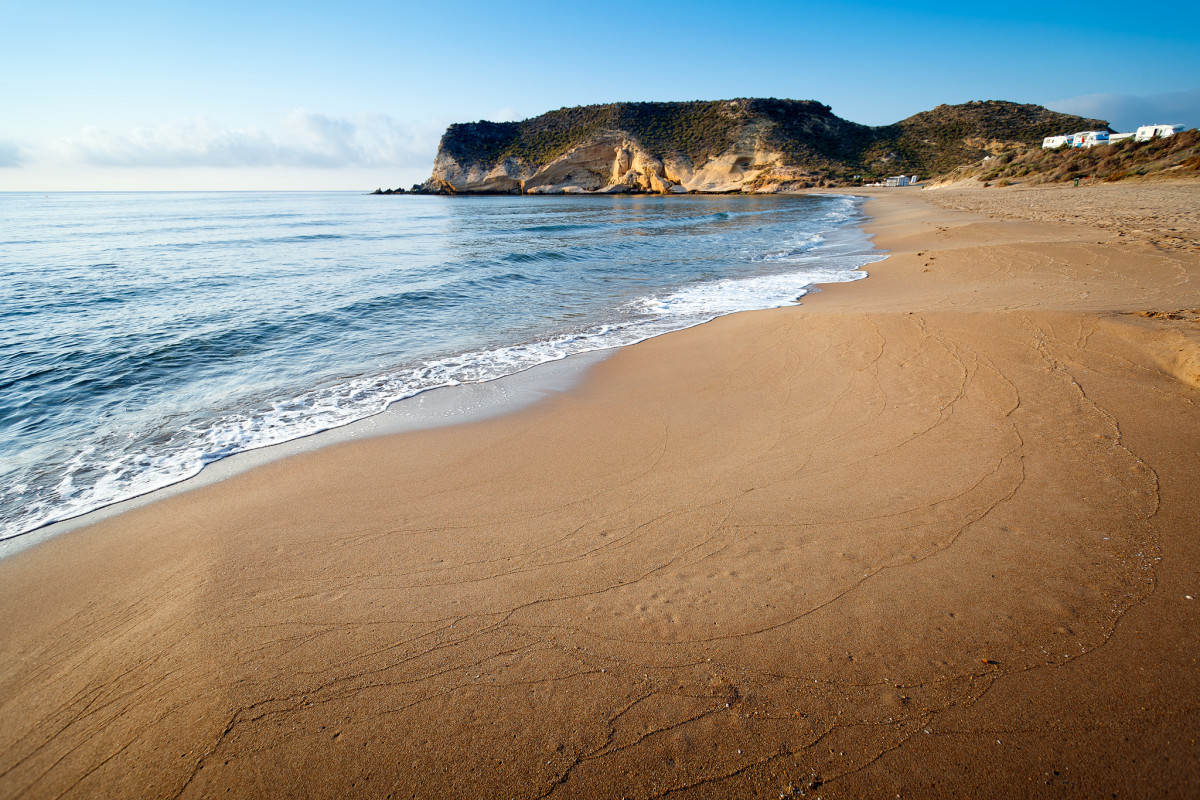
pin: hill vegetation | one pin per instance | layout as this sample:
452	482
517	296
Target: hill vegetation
937	141
1174	156
698	129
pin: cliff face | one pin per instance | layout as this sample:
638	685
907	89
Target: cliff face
613	163
747	145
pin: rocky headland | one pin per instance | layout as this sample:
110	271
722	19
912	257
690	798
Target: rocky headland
743	145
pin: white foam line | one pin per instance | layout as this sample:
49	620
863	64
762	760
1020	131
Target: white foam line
340	405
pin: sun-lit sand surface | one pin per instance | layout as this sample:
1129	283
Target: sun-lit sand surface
932	533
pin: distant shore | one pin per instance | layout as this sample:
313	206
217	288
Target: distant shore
929	534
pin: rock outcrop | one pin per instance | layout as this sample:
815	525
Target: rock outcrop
746	145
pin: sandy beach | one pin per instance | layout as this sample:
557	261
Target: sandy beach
930	534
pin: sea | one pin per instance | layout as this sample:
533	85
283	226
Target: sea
144	336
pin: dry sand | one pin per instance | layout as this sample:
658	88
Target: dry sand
929	534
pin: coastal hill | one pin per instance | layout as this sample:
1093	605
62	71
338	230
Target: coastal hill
748	144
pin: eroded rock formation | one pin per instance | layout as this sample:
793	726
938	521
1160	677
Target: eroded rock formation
617	164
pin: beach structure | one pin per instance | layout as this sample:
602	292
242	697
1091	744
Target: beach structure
1147	132
1054	142
896	180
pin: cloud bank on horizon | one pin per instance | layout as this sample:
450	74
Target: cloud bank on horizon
309	148
307	139
1126	112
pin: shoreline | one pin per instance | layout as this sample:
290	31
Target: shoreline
929	535
398	416
431	408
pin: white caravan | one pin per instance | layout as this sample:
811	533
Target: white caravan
1148	132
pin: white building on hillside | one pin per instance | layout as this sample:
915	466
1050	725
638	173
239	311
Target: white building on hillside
1052	142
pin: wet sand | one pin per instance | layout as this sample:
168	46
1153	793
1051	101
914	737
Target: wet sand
933	534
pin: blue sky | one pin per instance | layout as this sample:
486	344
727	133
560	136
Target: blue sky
298	95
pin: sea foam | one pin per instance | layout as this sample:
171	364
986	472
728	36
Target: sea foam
194	335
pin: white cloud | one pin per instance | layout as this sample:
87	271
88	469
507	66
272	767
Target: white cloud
10	154
1125	112
305	139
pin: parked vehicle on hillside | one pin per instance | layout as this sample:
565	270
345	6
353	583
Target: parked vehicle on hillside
1147	132
1080	139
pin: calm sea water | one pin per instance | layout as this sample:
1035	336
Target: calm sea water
143	336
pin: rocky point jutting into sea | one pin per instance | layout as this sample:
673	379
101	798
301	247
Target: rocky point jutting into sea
744	145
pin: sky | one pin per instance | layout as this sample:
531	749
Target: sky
246	95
